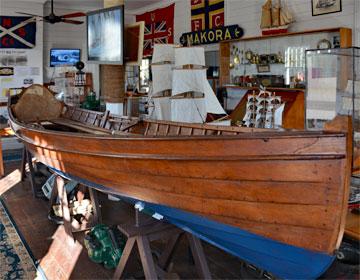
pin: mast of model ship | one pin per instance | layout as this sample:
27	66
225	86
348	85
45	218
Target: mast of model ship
192	95
285	16
275	14
275	19
162	65
266	15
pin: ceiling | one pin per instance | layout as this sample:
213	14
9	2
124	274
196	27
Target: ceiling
130	4
137	4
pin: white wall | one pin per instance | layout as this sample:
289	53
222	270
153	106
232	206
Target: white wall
247	14
35	57
357	23
63	35
236	10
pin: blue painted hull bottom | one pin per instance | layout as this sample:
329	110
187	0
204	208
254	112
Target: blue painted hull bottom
282	260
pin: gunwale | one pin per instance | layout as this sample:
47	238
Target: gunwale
242	135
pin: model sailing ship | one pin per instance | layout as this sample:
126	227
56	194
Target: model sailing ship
263	110
277	199
162	72
275	19
180	89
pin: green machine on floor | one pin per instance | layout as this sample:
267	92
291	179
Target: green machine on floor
105	245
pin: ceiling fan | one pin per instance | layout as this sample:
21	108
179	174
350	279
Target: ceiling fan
52	18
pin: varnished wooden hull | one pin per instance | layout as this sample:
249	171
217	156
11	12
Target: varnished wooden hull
289	187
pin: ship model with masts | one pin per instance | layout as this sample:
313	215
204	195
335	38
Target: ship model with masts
275	19
162	73
263	110
180	89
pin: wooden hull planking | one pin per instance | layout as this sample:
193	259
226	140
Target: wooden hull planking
289	187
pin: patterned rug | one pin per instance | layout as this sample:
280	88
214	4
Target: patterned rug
15	261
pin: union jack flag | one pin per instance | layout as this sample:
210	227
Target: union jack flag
159	28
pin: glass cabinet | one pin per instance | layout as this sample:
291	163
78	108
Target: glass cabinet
333	88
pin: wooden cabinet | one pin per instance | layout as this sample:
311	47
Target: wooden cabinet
294	113
344	34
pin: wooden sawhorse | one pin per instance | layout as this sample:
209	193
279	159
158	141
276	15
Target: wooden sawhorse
141	234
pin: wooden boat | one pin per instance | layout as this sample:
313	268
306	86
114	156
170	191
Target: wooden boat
277	199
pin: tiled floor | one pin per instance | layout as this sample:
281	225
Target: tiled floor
61	258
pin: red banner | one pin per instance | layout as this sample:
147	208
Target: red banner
159	28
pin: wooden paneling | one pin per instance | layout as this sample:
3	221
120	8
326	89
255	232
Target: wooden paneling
112	83
224	58
345	37
345	62
345	32
112	3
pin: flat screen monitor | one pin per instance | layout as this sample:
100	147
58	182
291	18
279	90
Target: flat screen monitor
105	33
64	57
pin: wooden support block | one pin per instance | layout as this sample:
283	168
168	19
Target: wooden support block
167	254
199	256
147	260
124	257
95	204
60	185
31	173
2	172
23	164
53	197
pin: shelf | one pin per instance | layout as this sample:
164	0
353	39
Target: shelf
268	88
248	64
345	35
337	29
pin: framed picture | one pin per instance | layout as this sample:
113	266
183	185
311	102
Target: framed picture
263	68
323	7
105	36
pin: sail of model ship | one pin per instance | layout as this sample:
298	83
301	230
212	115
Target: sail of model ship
275	19
192	96
162	72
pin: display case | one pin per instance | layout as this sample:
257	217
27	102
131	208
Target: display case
275	60
333	88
